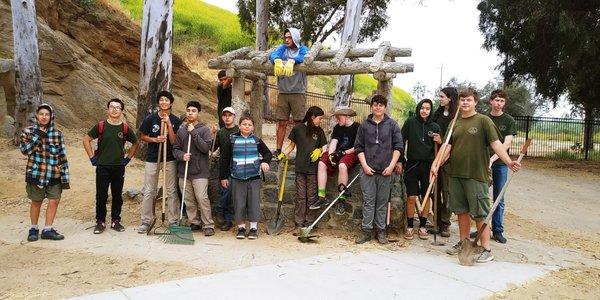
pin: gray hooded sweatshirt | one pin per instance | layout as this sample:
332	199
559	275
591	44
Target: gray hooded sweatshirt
378	141
201	141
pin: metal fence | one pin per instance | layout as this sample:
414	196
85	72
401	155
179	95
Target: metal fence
558	137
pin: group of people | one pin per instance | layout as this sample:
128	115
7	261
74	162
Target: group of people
379	146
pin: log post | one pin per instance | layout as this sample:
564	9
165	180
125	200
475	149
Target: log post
262	36
238	102
28	76
256	105
155	55
344	83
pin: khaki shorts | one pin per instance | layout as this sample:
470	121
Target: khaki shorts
294	103
469	195
37	194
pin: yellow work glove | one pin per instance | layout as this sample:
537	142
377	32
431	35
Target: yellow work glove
278	67
288	69
314	156
281	157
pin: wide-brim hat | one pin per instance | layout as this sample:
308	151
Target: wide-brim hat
344	110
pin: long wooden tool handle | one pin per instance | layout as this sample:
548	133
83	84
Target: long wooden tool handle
502	192
185	172
283	178
439	156
164	166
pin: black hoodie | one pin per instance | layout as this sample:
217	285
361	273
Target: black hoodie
419	135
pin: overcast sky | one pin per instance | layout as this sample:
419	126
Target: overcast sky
440	33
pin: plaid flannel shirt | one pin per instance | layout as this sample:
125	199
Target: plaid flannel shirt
46	155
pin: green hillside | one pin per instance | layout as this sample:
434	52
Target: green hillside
195	20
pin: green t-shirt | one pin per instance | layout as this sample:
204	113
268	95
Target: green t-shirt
507	126
305	146
469	157
110	151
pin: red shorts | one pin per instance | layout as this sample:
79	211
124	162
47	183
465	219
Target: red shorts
349	160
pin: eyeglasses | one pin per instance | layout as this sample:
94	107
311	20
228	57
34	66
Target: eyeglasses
114	107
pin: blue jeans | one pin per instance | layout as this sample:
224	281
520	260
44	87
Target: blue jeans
499	175
225	206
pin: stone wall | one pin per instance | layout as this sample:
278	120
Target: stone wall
350	221
7	97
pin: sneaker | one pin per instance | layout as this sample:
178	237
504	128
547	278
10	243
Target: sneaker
241	233
499	238
142	229
445	231
343	207
196	227
485	256
99	228
382	237
226	226
423	234
364	237
473	234
209	232
253	234
409	234
117	226
51	234
33	234
322	201
455	249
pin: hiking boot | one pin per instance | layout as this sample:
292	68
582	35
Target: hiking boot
196	227
473	234
423	234
409	234
226	226
117	226
33	234
209	232
364	236
142	229
322	201
241	233
485	256
51	234
253	234
499	238
455	249
99	228
343	207
382	237
445	231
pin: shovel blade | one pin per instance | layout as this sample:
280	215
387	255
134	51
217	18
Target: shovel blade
469	252
275	226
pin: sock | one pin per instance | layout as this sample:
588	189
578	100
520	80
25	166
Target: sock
422	221
46	228
410	222
321	192
253	225
242	226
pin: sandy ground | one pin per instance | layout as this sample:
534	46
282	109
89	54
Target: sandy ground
552	213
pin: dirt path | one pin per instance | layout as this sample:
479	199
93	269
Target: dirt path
551	220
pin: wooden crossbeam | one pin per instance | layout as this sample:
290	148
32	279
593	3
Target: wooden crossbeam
339	57
235	54
260	57
316	67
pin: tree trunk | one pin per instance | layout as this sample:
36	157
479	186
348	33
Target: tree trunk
344	83
259	110
28	76
384	88
238	102
155	55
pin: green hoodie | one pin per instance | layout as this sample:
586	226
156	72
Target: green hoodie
419	135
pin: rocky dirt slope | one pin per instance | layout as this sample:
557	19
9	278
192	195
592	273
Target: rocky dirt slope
89	54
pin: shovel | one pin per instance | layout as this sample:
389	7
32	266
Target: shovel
275	225
470	250
304	234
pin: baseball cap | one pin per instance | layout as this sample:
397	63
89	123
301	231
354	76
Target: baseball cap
228	109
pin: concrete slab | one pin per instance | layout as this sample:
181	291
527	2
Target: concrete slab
375	275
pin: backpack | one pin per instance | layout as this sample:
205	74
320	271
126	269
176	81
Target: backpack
124	130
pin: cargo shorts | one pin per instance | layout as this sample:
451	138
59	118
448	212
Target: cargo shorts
38	194
469	196
291	103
